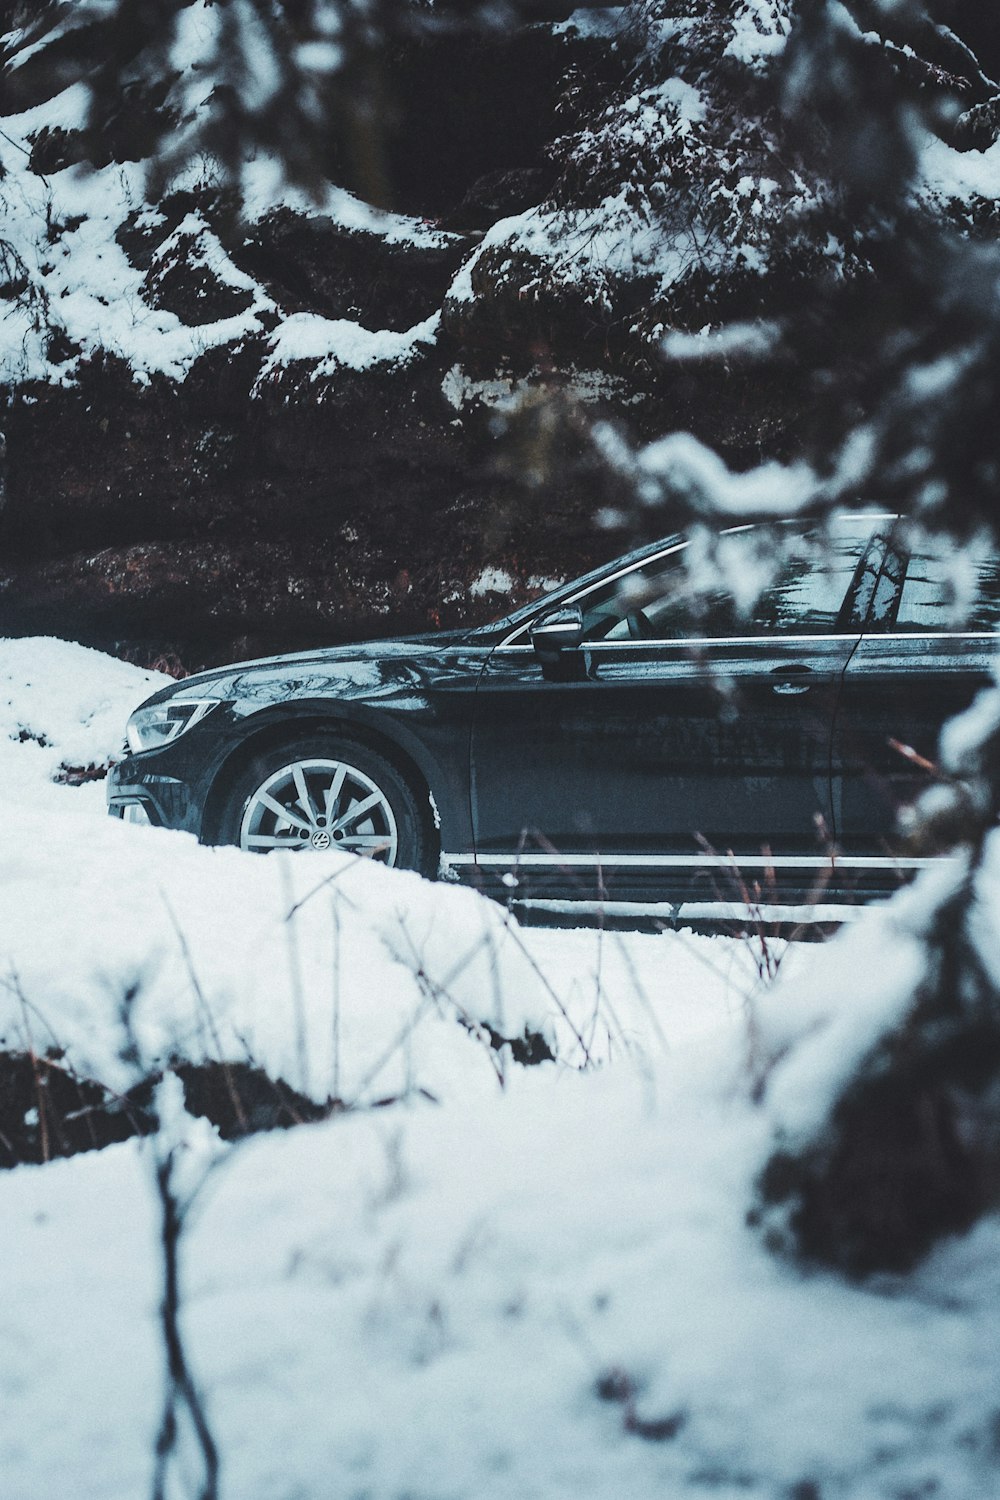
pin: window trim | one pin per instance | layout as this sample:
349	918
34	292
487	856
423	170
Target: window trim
511	642
690	642
573	598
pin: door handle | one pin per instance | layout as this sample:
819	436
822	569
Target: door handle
791	681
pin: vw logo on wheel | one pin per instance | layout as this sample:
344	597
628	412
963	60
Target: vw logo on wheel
321	839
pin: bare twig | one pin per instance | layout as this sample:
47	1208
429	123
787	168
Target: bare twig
231	1089
40	1099
182	1393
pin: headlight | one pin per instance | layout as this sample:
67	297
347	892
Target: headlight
149	728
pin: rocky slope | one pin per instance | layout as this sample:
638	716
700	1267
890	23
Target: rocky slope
241	419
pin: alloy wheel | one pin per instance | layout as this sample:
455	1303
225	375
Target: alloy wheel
320	805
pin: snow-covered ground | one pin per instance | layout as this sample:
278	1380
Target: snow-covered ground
346	979
539	1284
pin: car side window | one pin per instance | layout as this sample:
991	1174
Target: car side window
944	589
822	584
647	604
829	583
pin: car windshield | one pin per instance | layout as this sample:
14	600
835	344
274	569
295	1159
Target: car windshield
554	597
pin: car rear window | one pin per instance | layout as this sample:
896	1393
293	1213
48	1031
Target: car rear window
946	589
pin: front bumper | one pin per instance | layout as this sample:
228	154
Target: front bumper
170	786
139	791
131	812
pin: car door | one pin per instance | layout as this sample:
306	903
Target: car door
922	659
677	729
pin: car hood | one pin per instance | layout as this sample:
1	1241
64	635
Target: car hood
323	656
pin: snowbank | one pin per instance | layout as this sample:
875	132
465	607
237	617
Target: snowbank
63	708
347	980
553	1292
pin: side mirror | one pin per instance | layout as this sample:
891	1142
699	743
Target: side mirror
559	630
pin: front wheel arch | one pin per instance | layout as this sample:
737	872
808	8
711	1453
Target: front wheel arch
286	731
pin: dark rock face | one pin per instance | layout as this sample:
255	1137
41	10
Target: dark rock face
48	1111
241	509
181	280
198	521
313	264
466	110
237	501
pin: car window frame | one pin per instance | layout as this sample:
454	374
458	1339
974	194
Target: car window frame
583	587
589	584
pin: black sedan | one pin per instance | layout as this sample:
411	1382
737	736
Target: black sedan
615	740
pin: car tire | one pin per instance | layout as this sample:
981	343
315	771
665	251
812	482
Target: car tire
325	792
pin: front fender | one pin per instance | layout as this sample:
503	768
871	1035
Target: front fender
433	756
